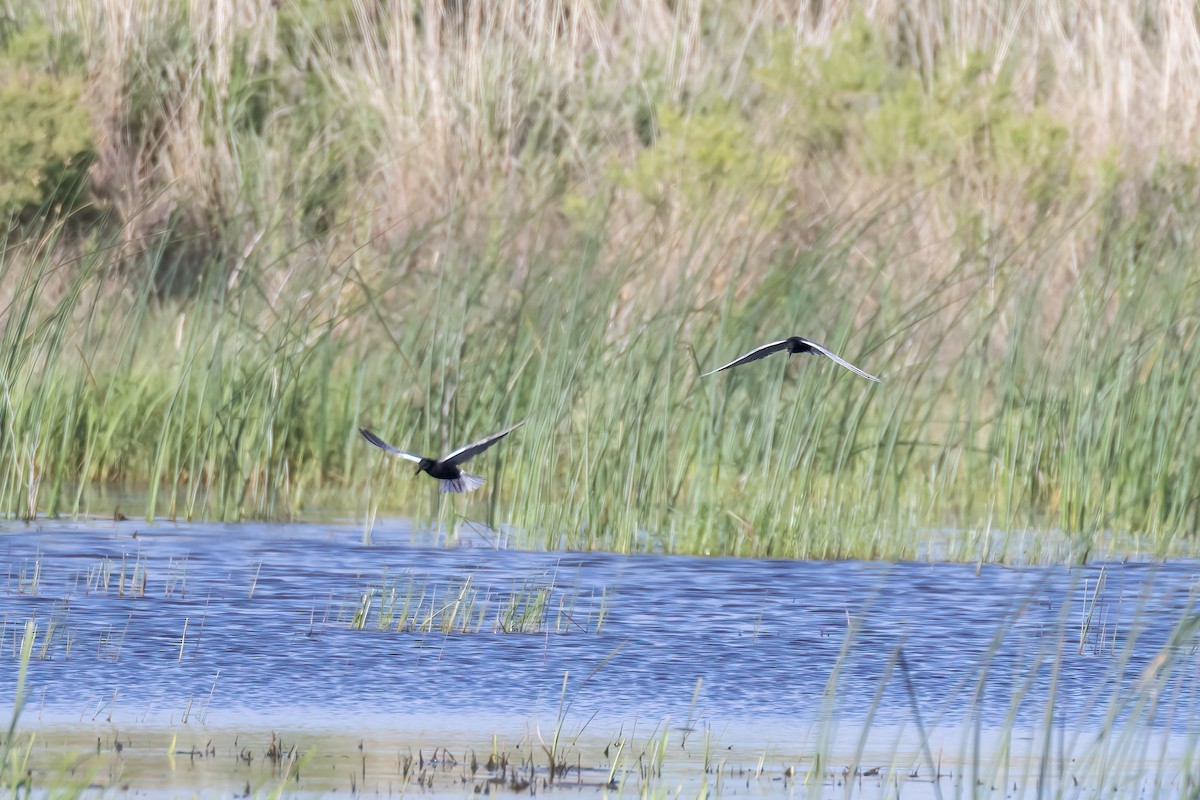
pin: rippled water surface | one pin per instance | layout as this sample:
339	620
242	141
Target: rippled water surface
306	625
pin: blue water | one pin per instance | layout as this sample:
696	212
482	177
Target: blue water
268	612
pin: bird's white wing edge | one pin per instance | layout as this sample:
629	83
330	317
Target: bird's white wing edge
762	351
825	351
482	445
387	448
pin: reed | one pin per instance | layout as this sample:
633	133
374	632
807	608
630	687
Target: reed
417	605
16	749
436	227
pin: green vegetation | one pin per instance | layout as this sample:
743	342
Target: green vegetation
20	770
298	222
48	142
15	749
537	607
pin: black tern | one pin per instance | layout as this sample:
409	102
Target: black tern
792	344
445	469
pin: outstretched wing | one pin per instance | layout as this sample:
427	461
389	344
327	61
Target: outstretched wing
834	356
470	451
387	448
753	355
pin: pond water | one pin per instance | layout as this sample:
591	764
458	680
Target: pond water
247	619
306	628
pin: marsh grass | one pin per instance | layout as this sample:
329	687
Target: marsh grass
946	742
122	578
303	222
624	448
15	751
413	604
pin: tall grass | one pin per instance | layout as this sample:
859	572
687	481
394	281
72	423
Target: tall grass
302	222
15	749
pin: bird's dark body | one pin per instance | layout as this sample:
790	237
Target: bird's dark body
440	470
797	345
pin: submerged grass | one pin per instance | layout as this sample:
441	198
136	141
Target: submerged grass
1018	731
417	605
1020	275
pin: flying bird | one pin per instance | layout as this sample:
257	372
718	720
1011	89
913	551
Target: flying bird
792	344
450	477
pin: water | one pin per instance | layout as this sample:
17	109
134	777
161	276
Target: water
255	624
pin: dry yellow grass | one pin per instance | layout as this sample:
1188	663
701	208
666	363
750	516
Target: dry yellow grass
491	110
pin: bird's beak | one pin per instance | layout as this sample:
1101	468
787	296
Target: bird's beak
418	472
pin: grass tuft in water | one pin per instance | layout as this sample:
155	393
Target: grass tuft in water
413	604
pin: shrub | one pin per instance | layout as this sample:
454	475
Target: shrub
857	98
709	150
46	137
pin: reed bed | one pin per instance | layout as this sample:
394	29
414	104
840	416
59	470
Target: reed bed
296	221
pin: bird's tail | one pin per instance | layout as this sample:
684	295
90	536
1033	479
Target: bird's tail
463	483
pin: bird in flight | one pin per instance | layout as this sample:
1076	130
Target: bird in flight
792	344
446	469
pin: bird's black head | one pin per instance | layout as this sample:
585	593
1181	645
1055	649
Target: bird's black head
424	466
